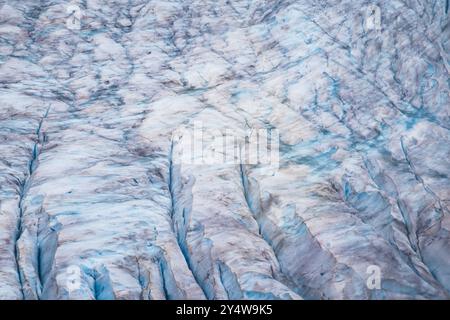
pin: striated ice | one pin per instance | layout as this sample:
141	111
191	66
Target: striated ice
98	202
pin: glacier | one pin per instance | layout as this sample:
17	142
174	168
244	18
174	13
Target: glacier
97	202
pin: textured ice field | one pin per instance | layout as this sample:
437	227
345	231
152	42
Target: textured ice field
95	202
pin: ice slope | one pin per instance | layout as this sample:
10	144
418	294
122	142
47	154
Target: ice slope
96	201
